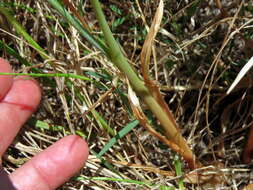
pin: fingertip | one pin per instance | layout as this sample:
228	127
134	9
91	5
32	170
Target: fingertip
5	80
75	149
78	144
54	166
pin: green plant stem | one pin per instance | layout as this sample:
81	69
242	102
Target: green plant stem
19	29
138	86
114	51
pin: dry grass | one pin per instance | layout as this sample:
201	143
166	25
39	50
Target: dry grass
197	55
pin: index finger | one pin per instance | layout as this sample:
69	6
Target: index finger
16	107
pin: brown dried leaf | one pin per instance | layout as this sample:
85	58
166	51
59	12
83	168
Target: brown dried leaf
248	187
168	174
135	105
134	102
147	47
154	89
175	140
145	60
208	176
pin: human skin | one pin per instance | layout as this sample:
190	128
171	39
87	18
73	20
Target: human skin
19	98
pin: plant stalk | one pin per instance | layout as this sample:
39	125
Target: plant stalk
116	56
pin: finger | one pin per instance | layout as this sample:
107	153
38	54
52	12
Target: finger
52	167
5	80
5	182
15	108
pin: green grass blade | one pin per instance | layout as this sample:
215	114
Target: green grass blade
163	187
44	125
21	31
74	22
15	54
12	52
178	168
102	123
121	134
116	180
106	163
66	75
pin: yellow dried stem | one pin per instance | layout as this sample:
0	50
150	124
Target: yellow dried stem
147	47
174	138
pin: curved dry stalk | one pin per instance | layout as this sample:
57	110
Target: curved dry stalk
115	54
136	108
147	47
175	139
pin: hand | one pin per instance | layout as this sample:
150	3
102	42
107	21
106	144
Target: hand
19	97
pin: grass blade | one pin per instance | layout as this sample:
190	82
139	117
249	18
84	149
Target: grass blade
66	75
12	52
21	31
147	47
117	179
178	168
121	134
74	22
241	74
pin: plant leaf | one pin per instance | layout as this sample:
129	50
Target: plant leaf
177	142
147	47
20	30
241	74
134	102
74	22
121	134
75	12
